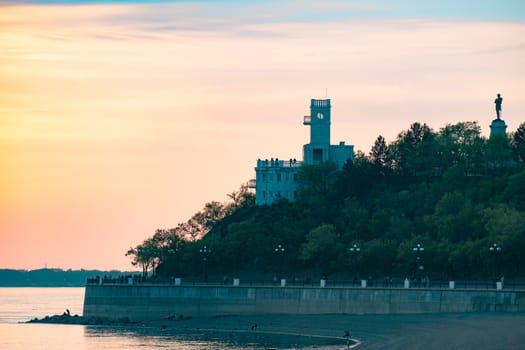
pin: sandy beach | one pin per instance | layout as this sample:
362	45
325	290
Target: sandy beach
480	331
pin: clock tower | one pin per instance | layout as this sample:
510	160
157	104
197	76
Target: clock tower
318	150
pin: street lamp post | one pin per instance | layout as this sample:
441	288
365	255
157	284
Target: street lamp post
495	249
279	250
418	250
354	250
204	251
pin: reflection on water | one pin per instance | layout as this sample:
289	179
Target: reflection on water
22	304
147	337
76	337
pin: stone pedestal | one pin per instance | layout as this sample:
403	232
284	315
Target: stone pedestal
363	283
283	282
498	127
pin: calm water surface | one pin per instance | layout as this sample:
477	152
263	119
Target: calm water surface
22	304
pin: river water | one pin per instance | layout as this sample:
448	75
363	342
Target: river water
18	305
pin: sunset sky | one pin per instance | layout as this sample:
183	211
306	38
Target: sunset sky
121	117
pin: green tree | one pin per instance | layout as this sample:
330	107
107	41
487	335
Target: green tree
352	221
379	154
506	226
242	198
357	178
456	218
405	160
468	260
170	246
515	190
146	255
461	144
317	179
518	143
247	244
323	249
378	257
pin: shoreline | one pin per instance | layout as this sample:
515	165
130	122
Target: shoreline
188	326
480	331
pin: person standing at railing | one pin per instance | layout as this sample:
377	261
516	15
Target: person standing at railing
426	282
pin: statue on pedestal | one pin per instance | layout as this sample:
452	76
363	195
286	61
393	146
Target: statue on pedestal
498	101
498	126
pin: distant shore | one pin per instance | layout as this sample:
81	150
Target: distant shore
480	331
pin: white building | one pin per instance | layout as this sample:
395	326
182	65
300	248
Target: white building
277	178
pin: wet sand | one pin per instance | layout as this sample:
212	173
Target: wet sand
476	331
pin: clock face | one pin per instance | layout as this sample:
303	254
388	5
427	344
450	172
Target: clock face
320	115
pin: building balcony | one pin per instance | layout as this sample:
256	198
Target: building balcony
320	103
307	120
277	163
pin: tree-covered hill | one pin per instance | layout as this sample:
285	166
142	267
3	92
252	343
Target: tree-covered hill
456	194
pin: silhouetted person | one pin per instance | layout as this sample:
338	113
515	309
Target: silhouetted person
254	327
348	341
498	101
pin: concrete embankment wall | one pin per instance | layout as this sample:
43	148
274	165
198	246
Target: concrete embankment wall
149	302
